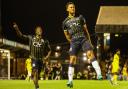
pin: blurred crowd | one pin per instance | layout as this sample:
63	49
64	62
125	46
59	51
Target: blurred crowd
58	71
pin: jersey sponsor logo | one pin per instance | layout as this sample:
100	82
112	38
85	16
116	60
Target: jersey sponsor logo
74	22
37	43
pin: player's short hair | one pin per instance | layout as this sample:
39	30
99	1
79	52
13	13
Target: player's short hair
38	26
68	3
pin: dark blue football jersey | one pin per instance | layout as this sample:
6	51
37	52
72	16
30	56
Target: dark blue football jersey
74	26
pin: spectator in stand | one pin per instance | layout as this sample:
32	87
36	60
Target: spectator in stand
58	71
124	72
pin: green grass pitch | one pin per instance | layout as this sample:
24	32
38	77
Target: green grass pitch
61	84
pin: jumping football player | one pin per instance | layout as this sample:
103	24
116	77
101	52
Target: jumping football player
76	33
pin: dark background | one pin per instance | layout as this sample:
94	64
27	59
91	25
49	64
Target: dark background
49	14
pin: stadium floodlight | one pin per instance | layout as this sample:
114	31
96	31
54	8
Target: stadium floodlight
116	35
84	54
97	47
58	48
57	54
84	58
107	36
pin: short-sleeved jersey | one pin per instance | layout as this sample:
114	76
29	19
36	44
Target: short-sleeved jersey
74	26
28	63
38	47
116	60
124	71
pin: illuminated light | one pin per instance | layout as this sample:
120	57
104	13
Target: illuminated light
89	67
84	54
106	34
57	54
7	55
97	47
58	47
116	35
84	58
108	37
1	51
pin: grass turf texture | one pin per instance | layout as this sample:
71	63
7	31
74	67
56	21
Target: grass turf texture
61	84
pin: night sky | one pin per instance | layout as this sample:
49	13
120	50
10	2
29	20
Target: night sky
49	14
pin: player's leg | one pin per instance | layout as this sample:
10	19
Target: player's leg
35	66
71	71
35	78
95	63
59	76
29	75
115	75
39	68
74	48
87	47
27	78
114	79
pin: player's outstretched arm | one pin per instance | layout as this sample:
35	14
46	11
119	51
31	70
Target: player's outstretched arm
19	33
15	26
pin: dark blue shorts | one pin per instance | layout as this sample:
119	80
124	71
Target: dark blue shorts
79	44
37	64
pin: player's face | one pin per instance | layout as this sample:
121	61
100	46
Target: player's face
38	31
71	8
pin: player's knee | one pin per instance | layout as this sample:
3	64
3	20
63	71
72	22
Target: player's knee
90	54
72	59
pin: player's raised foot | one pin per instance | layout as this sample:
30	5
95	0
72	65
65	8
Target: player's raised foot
99	77
70	84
